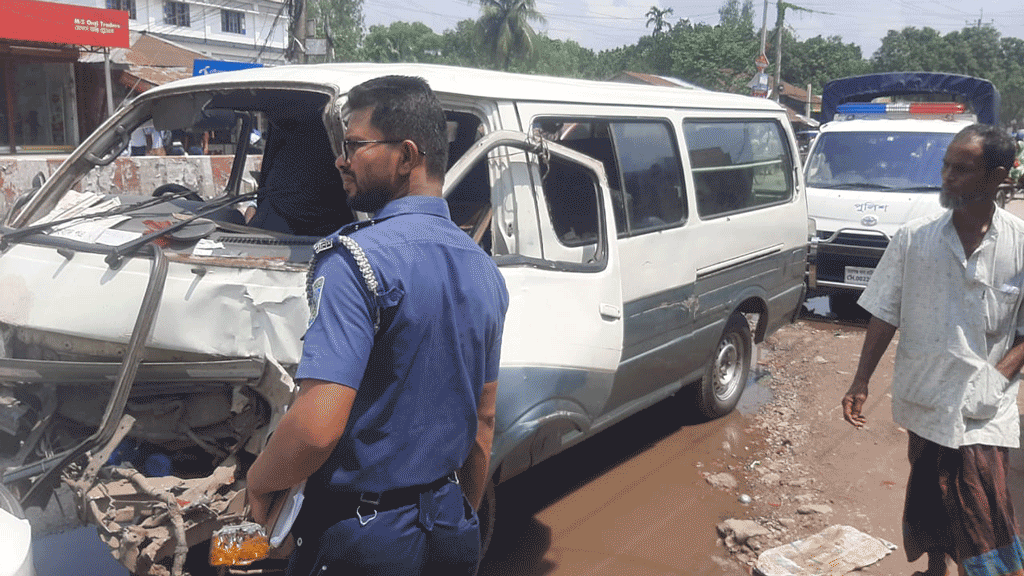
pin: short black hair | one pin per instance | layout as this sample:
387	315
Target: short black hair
996	145
405	108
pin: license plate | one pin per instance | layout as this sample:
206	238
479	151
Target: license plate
858	275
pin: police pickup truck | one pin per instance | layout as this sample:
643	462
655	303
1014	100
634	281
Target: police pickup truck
876	165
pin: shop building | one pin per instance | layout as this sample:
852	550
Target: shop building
66	64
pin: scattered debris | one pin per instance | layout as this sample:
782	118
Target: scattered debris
835	550
723	480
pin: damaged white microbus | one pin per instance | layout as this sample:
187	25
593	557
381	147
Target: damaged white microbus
648	237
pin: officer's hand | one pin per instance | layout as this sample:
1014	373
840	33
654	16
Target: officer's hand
853	403
259	506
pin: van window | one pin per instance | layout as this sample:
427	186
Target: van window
641	161
470	201
738	165
655	196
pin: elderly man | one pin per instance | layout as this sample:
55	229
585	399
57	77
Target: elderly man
951	284
394	418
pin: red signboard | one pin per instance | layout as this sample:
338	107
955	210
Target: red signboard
63	24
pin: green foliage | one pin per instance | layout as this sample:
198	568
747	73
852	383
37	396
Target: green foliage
818	60
715	57
343	20
973	51
403	42
505	30
718	57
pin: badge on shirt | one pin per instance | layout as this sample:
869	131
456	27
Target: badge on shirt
314	306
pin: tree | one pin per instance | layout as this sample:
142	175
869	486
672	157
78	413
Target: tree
505	29
462	46
818	60
657	16
403	42
715	57
343	22
974	51
734	14
912	49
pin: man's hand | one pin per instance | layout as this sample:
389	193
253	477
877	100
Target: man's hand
853	403
259	506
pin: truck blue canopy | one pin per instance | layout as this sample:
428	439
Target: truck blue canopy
980	93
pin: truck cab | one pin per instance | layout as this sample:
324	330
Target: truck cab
877	165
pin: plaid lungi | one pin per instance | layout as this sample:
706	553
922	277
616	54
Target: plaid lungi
958	502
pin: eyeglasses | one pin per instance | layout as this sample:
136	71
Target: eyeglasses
349	147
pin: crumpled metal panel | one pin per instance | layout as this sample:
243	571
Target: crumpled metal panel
220	310
142	519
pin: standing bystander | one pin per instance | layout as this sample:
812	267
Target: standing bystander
394	418
952	285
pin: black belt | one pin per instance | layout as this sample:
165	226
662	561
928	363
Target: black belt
349	504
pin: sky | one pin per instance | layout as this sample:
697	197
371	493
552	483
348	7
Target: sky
605	24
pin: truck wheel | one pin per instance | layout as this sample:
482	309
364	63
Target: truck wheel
727	372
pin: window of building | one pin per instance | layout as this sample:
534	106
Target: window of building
126	5
738	165
232	21
176	14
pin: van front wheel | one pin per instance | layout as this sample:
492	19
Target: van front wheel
727	372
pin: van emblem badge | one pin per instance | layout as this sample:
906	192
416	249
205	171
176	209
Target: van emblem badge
869	220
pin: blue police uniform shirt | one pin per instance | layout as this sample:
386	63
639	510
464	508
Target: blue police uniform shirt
442	304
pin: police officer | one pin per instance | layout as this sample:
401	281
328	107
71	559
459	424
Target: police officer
394	418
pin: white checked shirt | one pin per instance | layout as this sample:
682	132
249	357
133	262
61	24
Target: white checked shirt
957	318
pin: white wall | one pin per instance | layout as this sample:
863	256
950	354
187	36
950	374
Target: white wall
266	26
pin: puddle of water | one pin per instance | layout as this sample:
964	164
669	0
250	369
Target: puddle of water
757	393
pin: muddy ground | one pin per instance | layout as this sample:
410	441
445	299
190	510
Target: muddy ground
810	469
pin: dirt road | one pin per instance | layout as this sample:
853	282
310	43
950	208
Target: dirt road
814	469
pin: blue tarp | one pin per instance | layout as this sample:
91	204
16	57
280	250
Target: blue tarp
979	93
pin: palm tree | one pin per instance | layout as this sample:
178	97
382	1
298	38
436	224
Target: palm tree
657	17
504	26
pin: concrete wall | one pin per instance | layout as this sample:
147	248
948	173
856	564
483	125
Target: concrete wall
208	175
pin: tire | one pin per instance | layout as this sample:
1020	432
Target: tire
728	369
486	515
9	503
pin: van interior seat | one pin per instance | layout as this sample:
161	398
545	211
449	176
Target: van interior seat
300	191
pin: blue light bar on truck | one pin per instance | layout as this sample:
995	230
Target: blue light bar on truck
913	108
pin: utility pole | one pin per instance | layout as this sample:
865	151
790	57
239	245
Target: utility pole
780	18
297	46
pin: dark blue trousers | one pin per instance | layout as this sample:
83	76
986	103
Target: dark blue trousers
440	535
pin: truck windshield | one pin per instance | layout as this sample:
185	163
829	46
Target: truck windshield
898	161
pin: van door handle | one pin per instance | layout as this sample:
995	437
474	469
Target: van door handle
609	311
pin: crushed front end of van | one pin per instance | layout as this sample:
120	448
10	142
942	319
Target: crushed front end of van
877	165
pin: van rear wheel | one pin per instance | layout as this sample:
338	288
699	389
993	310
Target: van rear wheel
727	372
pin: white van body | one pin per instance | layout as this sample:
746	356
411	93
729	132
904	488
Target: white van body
637	228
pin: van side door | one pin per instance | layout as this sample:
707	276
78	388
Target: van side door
563	331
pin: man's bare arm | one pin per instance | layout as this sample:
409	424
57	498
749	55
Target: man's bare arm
302	442
473	474
1011	364
876	340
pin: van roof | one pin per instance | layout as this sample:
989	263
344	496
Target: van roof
339	77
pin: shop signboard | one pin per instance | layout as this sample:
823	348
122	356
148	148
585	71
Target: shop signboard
32	21
204	67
